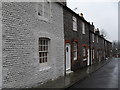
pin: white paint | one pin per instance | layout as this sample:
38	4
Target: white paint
0	45
68	57
91	57
88	61
35	73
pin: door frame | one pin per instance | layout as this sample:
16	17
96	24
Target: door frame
88	58
69	45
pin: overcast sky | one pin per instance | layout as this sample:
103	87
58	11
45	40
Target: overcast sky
103	13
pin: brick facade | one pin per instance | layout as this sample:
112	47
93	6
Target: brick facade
21	31
91	40
71	36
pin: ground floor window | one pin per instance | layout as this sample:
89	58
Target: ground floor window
43	50
75	50
84	53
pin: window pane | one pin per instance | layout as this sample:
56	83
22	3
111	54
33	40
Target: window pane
74	23
83	28
75	50
40	60
43	50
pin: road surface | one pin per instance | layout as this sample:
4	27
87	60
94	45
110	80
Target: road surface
105	77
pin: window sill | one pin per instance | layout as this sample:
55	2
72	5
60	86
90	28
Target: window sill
85	59
75	30
44	68
44	19
75	59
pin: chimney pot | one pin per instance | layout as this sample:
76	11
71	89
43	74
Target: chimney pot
92	23
97	29
81	14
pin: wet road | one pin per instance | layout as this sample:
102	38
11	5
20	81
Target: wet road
105	77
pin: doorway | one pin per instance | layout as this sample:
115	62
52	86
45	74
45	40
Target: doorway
68	57
88	60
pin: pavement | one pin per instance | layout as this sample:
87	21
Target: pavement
105	77
73	78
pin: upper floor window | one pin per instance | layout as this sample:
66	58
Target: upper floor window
43	9
97	39
83	28
93	37
74	23
43	50
75	50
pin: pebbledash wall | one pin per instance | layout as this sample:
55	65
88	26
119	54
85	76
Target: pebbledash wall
21	30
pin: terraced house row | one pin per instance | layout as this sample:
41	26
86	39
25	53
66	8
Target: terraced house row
83	42
41	41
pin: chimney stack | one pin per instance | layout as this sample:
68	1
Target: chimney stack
101	35
97	31
92	23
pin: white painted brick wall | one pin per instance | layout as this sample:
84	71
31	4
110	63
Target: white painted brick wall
21	30
0	45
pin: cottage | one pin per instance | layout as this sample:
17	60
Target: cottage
76	35
31	42
84	45
100	47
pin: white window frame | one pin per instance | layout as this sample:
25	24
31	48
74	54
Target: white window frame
74	23
93	38
43	50
83	28
42	17
84	53
75	49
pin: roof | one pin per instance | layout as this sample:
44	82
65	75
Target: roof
67	8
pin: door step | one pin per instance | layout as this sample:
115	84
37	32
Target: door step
69	71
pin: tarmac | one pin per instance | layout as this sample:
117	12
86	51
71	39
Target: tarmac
104	78
74	77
